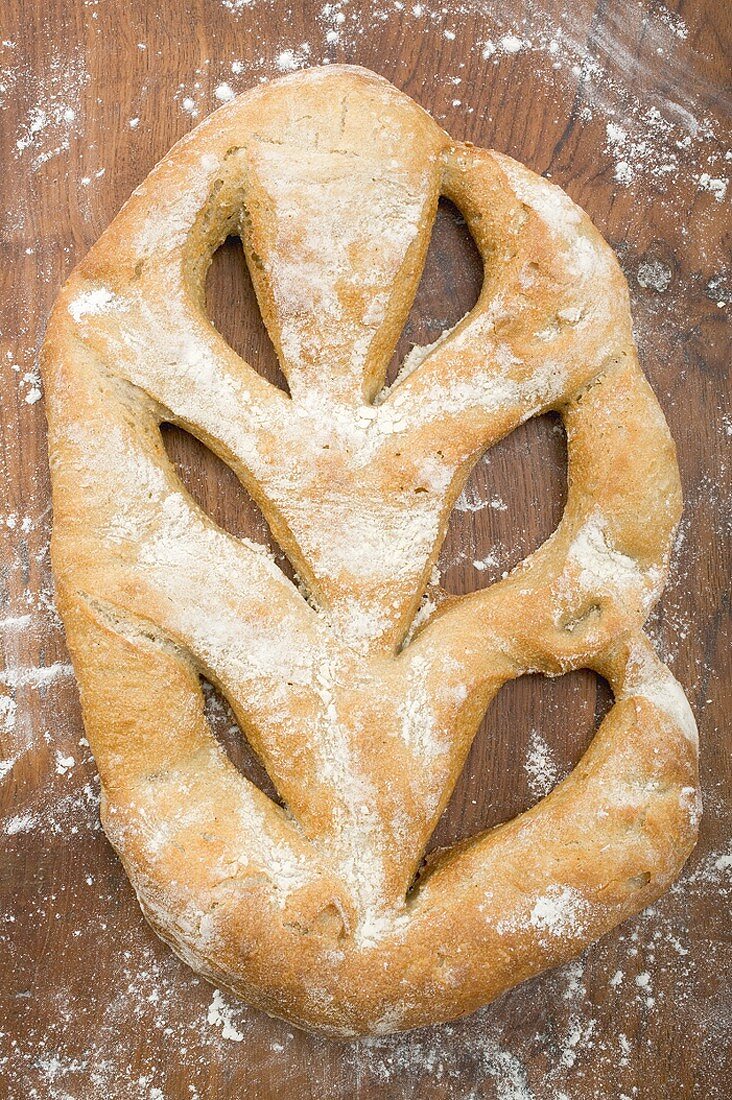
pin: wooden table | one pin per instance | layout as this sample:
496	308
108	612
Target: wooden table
623	105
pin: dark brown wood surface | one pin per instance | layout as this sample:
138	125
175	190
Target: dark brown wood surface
622	103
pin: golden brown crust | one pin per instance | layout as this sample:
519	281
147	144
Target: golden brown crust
332	178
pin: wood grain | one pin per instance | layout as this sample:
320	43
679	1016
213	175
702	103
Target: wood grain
92	94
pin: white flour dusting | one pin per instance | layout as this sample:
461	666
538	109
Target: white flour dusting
220	1014
54	116
560	912
654	275
540	765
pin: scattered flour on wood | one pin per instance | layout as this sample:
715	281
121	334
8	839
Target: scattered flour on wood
540	765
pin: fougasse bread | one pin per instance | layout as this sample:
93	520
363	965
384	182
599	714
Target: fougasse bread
360	698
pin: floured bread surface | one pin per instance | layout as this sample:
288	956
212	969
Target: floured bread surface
363	719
